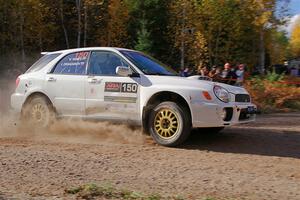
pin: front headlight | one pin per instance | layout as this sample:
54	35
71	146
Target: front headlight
222	93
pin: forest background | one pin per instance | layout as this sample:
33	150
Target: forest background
179	32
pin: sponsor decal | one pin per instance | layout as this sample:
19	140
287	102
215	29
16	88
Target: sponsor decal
121	87
82	55
112	87
120	99
77	59
129	87
74	63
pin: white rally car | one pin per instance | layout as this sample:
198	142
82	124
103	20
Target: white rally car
115	84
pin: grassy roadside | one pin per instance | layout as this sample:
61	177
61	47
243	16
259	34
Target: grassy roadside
274	93
107	191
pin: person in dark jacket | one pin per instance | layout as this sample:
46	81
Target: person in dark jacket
228	75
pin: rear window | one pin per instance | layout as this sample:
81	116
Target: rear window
43	61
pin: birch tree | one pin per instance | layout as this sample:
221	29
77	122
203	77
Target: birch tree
62	20
78	8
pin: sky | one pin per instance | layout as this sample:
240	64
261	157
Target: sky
295	14
295	7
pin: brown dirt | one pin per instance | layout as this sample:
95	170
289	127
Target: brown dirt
253	161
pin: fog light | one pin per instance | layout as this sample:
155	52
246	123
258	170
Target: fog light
224	114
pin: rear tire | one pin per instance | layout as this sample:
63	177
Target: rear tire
38	113
169	124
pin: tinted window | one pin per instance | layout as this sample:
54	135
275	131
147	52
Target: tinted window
105	63
74	63
43	61
147	64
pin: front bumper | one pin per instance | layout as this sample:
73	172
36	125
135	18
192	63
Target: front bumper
212	115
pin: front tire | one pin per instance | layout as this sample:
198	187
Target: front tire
38	113
169	124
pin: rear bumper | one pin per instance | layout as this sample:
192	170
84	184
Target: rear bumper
212	115
16	102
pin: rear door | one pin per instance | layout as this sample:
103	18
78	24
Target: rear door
65	84
108	95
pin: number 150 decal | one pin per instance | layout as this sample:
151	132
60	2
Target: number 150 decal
129	87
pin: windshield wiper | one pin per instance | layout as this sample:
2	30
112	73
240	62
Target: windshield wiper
156	73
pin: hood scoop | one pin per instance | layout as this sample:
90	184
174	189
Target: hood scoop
198	77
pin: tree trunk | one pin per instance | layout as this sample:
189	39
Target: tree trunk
210	49
3	27
40	41
21	26
261	52
216	59
209	54
78	6
85	24
40	31
61	11
182	50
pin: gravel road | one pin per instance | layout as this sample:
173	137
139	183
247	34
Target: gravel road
253	161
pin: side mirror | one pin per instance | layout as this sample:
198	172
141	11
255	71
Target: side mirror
123	71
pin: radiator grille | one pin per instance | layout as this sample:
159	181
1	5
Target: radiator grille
242	98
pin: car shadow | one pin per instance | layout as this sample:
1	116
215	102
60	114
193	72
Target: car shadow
248	141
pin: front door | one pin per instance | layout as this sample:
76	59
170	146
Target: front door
108	95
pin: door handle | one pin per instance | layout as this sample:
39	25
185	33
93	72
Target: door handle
51	79
94	80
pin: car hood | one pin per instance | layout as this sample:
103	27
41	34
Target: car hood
189	82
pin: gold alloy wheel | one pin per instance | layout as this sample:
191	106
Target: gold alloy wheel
166	123
38	113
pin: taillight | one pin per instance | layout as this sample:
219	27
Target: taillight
17	82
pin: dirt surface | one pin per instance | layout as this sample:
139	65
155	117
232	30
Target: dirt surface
253	161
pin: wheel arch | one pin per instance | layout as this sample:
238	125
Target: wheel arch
37	94
159	97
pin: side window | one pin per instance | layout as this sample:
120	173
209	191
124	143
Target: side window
74	63
42	62
105	63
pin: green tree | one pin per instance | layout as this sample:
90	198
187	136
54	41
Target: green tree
277	47
144	42
148	22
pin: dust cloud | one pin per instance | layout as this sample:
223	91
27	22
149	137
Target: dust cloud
64	130
73	131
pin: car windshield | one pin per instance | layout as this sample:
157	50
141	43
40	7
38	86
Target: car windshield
43	61
148	65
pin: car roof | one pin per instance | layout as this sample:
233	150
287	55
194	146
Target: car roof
87	49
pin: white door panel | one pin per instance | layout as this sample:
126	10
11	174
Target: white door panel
108	99
67	93
66	83
109	96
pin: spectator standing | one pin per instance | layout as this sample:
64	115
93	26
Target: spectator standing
185	72
228	75
240	75
204	71
212	71
215	74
